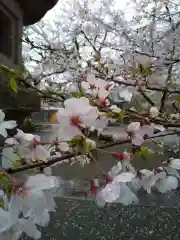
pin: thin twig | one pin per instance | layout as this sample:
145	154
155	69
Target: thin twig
55	159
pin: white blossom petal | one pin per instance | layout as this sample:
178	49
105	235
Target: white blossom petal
91	78
27	226
44	182
72	103
9	124
154	112
146	130
85	85
99	124
11	141
3	131
63	146
127	197
167	184
99	200
5	220
110	193
175	163
41	153
63	116
67	133
43	220
124	177
102	93
90	117
126	95
2	116
137	140
158	127
172	171
133	127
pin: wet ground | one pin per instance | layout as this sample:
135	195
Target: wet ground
83	220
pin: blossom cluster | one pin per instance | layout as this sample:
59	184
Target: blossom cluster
27	199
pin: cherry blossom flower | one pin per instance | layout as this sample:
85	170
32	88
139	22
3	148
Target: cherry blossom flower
112	190
172	171
110	193
102	101
158	127
175	163
89	88
121	156
33	196
133	127
137	140
115	170
126	196
168	184
35	151
154	112
126	95
20	138
138	133
63	147
99	124
94	185
124	177
96	87
76	114
5	124
137	137
146	130
148	179
10	220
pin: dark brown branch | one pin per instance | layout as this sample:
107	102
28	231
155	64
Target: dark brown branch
165	93
28	85
89	41
59	159
146	87
146	97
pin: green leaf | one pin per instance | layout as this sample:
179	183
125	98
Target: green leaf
5	181
144	70
16	164
77	94
121	115
6	69
144	151
109	114
178	97
12	83
1	203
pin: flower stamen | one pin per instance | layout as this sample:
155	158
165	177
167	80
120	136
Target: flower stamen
75	121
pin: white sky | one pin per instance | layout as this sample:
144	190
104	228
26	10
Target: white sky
122	4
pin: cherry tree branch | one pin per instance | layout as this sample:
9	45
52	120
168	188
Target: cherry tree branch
54	159
158	89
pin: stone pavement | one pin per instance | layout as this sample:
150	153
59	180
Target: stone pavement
83	220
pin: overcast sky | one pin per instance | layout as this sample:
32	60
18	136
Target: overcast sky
122	4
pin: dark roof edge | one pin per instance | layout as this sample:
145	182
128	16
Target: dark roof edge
34	10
